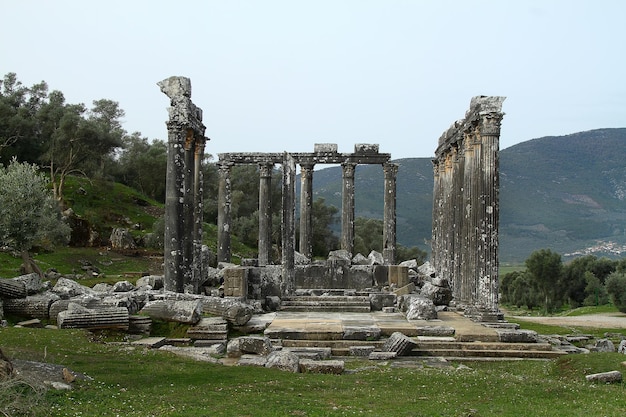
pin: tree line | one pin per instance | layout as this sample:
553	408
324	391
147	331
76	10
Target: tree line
38	126
550	284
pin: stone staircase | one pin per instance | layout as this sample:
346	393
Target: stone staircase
443	347
326	303
347	333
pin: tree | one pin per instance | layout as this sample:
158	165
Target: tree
545	268
616	287
595	291
29	215
20	135
323	238
368	235
143	165
78	140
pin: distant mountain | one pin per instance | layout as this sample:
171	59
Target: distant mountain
566	193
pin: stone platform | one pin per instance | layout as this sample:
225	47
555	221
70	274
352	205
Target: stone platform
452	335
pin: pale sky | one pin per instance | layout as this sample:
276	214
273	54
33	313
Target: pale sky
275	76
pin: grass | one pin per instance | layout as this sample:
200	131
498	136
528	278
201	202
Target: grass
68	260
581	311
138	382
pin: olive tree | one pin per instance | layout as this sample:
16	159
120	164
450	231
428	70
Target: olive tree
29	214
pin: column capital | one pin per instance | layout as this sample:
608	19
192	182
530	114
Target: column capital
265	169
490	124
390	170
348	169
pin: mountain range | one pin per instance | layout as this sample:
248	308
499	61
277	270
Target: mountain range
564	193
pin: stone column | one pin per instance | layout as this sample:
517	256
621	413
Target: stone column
288	225
184	128
198	202
457	213
188	208
489	131
389	215
265	213
223	213
436	218
306	204
173	238
347	207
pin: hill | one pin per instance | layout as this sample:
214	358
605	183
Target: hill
565	193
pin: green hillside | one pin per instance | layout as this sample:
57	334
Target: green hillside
564	193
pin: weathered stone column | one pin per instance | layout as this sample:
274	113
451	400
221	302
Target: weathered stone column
224	201
489	131
288	225
173	239
184	127
347	207
197	269
389	215
265	213
306	205
466	208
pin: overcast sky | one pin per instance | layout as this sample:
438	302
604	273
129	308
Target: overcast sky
275	76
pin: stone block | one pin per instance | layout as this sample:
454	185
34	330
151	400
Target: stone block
150	342
361	332
517	336
359	277
366	148
436	331
235	282
361	351
398	275
407	289
252	360
283	360
605	377
256	345
335	367
382	356
325	148
380	300
421	308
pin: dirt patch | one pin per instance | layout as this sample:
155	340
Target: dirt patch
599	321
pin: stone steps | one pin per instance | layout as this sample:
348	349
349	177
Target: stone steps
326	303
452	350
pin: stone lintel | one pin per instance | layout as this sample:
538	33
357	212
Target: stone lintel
479	106
253	158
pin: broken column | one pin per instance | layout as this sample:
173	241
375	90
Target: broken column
185	139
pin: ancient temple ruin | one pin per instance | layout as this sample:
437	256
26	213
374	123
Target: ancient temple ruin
183	195
323	154
466	208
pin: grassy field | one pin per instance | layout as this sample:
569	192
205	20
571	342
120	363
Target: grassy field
138	382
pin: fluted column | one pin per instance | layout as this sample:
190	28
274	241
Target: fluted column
224	201
489	223
265	213
306	205
347	207
389	214
457	213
